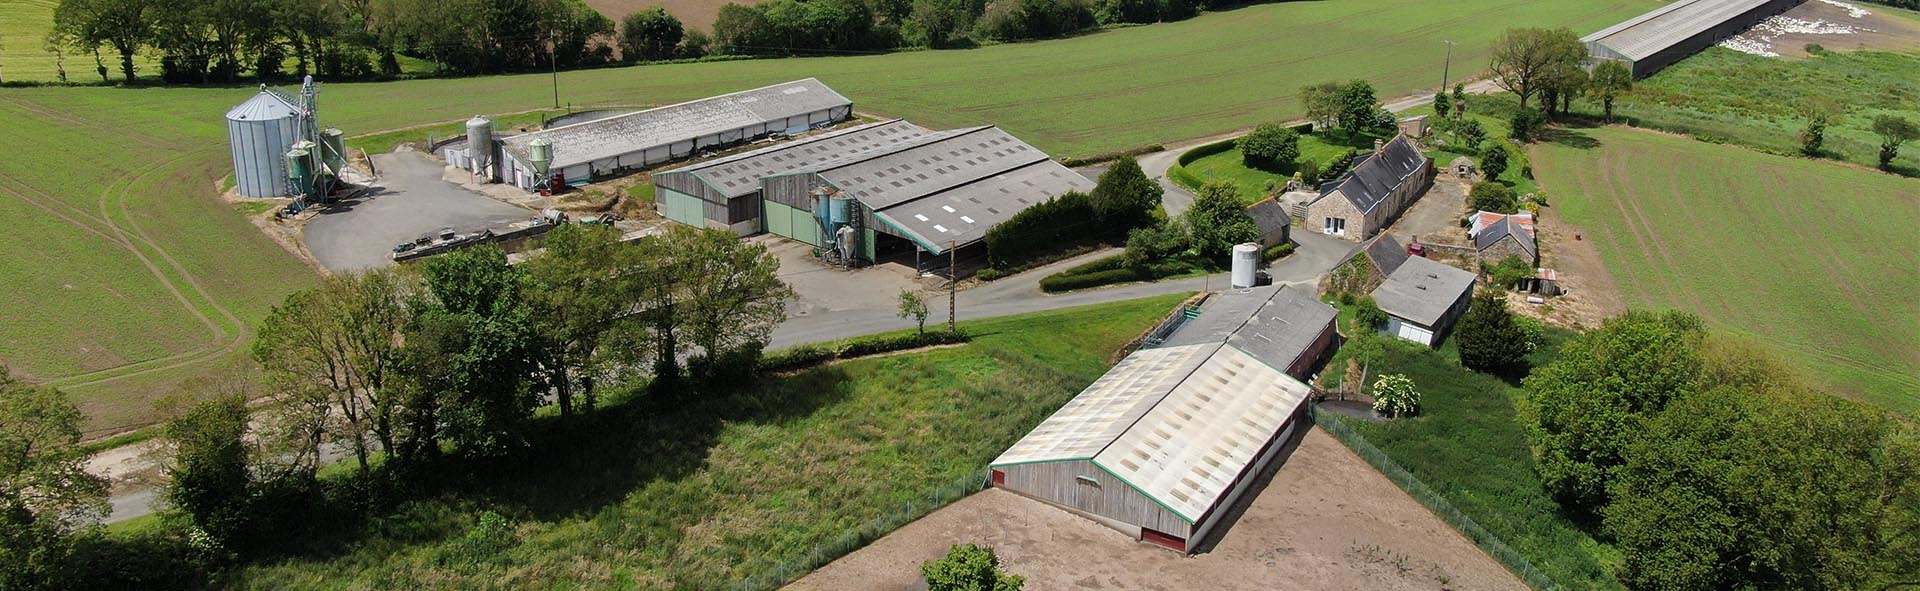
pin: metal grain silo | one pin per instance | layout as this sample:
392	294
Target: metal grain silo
480	142
261	131
334	145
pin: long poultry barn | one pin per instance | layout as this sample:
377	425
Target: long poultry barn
602	147
1655	40
1165	442
871	190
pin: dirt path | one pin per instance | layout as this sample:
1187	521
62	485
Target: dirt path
1324	520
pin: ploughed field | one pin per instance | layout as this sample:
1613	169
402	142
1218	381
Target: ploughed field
1813	258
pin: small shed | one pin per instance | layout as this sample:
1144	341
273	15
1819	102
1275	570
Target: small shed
1271	217
1416	127
1423	298
1462	166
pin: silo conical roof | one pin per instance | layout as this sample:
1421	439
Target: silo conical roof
262	107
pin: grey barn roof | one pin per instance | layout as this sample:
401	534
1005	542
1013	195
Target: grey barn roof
1385	253
1422	290
1507	226
1379	173
1268	215
740	174
1274	323
652	128
1647	34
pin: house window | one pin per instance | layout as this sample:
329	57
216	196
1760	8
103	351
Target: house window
1336	226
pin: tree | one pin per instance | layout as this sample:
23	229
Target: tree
1489	339
1493	159
1269	146
1125	198
1218	221
471	354
46	494
650	35
1156	245
733	294
333	349
1357	107
943	22
1562	82
1493	196
1893	130
1526	125
580	289
1368	314
1469	135
1525	59
1610	80
912	307
969	568
1323	103
209	475
1442	104
1584	408
1768	487
1395	396
696	45
1818	111
124	25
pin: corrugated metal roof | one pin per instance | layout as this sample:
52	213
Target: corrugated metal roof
1422	290
1107	408
1647	34
1379	173
633	132
1285	326
961	215
740	174
264	106
942	162
1386	253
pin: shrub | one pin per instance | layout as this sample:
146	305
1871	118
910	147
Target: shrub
1035	231
1064	282
1368	313
969	568
1394	396
1105	156
990	274
1493	159
1526	124
878	345
796	358
1277	251
1489	339
483	543
1269	146
1493	196
1165	242
1124	198
1509	271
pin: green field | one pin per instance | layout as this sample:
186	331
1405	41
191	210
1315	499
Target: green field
1815	258
1252	182
1468	445
1753	100
151	157
701	494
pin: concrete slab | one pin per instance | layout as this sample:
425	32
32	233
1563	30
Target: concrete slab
408	200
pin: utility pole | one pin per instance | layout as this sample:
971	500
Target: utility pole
1446	70
553	62
953	284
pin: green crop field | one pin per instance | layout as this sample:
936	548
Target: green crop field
131	269
702	494
1817	259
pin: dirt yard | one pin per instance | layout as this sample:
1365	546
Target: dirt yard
1435	217
1592	296
1324	520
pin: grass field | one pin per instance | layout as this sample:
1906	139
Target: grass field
703	494
1469	446
1228	166
1753	100
1814	258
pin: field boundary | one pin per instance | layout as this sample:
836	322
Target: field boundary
867	533
1400	476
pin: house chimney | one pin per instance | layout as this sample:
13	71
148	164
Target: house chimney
1377	145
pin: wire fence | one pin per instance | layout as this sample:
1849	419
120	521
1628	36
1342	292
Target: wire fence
1433	500
856	538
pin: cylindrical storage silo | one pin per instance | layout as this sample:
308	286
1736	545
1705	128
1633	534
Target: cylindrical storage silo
540	155
480	142
297	171
839	211
1246	258
335	153
260	132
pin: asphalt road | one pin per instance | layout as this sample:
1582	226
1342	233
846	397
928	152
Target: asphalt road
408	200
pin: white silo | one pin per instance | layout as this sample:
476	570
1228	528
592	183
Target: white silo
261	132
480	143
1246	258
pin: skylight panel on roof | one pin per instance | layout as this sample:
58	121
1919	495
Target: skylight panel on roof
939	227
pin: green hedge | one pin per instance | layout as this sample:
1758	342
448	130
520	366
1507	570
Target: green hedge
1277	251
806	356
1065	282
1044	228
1103	157
1185	178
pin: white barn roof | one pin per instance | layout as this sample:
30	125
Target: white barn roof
740	174
652	128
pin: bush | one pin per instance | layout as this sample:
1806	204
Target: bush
1526	124
1493	159
1146	246
1105	156
1035	231
796	358
1269	146
876	346
1368	313
1509	271
1394	396
1493	196
1064	282
990	274
1489	340
483	543
1013	20
1277	251
969	568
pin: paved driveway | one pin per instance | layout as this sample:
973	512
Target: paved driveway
408	200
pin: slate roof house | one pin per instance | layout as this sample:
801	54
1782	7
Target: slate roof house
1374	193
1423	298
1499	236
1383	256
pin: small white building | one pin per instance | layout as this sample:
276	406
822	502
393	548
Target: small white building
1423	298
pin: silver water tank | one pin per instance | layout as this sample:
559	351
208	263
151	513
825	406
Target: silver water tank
262	131
1246	259
479	143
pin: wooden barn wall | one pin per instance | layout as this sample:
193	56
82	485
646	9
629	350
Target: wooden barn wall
793	190
1106	496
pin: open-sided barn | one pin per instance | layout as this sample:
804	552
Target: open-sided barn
1668	34
582	151
1168	439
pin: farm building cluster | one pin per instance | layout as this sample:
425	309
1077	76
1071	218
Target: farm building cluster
1668	34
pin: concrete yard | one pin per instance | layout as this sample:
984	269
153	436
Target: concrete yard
1324	520
408	200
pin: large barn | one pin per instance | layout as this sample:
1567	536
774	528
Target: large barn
874	189
591	149
1668	34
1164	443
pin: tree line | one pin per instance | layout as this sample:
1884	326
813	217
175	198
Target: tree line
402	372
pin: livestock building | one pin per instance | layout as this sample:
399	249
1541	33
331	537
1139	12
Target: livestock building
1164	443
1381	185
1670	33
1422	298
584	151
871	190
